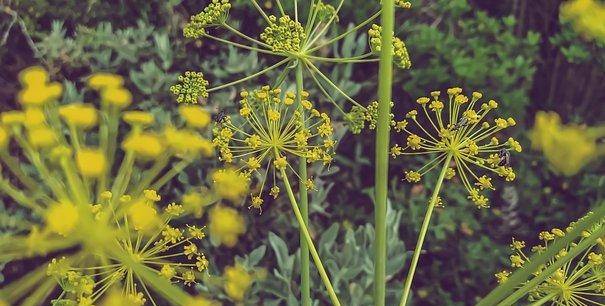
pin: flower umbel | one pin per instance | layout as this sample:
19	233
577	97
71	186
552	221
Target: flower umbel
460	131
268	134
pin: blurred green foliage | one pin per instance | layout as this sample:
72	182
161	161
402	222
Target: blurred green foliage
496	50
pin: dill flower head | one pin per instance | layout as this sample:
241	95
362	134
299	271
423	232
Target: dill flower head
580	281
225	225
401	56
214	14
191	87
284	34
268	134
568	148
116	96
37	90
170	252
462	133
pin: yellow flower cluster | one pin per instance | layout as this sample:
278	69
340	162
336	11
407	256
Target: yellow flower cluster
154	244
568	148
586	16
461	132
90	195
269	132
237	282
37	90
580	281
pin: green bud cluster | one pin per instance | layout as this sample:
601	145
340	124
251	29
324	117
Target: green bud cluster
213	15
283	34
401	56
190	88
371	115
355	119
325	12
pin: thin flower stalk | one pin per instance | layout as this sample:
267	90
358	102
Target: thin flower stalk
459	138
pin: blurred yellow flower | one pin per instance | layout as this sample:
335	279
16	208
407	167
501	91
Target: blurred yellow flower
42	137
91	162
102	80
142	215
226	225
62	218
586	16
195	116
144	145
237	282
230	184
116	96
79	115
568	148
138	118
36	89
4	137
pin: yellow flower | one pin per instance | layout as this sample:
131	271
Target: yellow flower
138	118
42	137
91	162
102	80
202	301
586	16
116	96
568	148
34	117
225	225
11	118
62	218
79	115
459	133
195	116
144	145
188	143
229	184
33	76
142	214
237	282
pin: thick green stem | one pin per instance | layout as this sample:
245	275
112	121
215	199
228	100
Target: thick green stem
301	223
423	230
305	288
385	79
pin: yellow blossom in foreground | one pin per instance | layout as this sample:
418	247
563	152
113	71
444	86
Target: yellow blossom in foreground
226	225
102	80
586	16
62	218
91	162
79	115
195	116
116	96
229	184
144	145
237	282
568	148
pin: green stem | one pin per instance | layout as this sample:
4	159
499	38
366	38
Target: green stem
341	36
250	76
423	230
305	288
244	36
385	82
305	231
238	45
174	171
13	165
